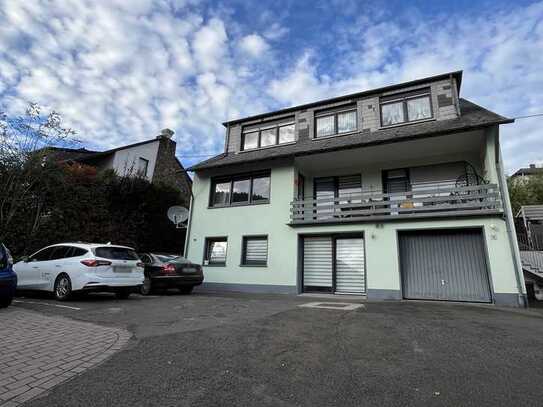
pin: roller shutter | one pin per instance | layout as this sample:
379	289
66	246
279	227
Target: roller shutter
317	264
350	266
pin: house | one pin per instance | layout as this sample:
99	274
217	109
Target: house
524	174
393	193
529	227
152	159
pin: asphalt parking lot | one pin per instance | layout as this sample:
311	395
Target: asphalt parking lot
265	350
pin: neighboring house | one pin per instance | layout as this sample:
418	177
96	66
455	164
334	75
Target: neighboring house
529	226
152	159
397	192
524	174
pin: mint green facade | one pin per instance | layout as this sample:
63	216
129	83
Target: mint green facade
383	278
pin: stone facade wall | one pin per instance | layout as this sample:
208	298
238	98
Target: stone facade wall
169	171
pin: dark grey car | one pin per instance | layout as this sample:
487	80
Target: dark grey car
169	271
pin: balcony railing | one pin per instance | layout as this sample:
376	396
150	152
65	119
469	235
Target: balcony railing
367	207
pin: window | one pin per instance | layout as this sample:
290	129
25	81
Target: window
330	124
143	166
406	107
268	136
254	251
42	255
241	190
215	251
395	181
60	252
116	253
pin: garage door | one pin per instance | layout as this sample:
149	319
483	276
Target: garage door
445	265
334	264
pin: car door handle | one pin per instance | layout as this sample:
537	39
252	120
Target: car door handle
58	265
35	267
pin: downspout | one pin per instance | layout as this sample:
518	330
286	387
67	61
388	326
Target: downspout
189	222
510	227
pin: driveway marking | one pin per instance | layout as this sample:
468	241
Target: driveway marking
342	306
46	303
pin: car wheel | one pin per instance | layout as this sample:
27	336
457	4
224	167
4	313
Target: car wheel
63	287
5	302
185	290
122	294
146	287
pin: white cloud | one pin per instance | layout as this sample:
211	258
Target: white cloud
253	45
120	71
501	53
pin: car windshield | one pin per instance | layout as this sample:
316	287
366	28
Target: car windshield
116	253
168	258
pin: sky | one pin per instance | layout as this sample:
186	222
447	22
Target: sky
119	71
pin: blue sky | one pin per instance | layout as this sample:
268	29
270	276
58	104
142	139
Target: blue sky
119	71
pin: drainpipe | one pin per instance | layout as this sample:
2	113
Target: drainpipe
510	227
189	222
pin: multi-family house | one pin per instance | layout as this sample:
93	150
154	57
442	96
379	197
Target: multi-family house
525	174
392	193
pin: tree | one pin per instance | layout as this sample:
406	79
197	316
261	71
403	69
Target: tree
525	191
23	140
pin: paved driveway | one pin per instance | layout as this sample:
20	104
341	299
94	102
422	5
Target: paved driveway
242	350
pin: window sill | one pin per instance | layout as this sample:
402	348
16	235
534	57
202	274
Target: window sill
336	135
239	205
253	265
407	123
267	147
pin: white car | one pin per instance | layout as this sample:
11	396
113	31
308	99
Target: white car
68	267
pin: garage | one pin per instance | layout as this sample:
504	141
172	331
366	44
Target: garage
334	264
446	265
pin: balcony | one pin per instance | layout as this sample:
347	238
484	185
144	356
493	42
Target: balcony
474	200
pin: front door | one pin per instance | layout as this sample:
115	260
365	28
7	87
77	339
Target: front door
350	266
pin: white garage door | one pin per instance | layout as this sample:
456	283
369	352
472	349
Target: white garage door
334	264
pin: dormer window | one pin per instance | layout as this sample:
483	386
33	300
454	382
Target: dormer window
267	135
334	123
406	107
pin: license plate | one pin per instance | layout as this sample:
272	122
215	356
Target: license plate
189	270
120	269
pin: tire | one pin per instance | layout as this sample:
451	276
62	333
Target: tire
185	289
5	302
146	287
122	294
63	288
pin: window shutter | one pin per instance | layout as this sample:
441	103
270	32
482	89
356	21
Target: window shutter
256	250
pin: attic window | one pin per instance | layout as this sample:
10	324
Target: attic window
267	135
334	123
406	107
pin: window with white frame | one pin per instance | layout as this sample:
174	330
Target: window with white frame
335	123
406	107
268	135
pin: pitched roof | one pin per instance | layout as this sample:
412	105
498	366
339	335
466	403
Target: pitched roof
528	171
472	116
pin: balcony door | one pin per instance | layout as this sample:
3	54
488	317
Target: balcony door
326	189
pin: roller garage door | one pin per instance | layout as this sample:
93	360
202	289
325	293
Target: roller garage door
447	265
334	264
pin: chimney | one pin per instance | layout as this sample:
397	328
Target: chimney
166	133
532	165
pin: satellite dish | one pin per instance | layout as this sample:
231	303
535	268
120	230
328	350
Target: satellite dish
178	214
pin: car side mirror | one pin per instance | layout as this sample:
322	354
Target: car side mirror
24	259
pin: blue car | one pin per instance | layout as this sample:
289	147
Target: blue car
8	278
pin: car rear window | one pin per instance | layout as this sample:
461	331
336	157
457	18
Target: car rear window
172	259
116	253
